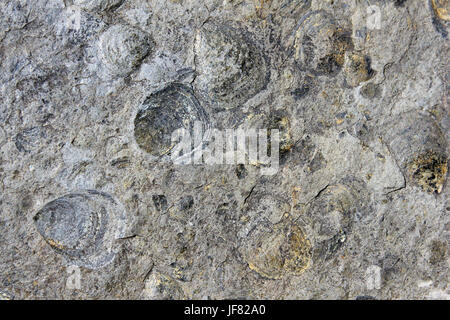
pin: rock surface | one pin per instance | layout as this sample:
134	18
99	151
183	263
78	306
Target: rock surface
91	207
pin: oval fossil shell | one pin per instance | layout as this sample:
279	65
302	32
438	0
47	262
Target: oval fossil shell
82	227
320	43
231	69
276	252
122	49
162	113
419	147
100	5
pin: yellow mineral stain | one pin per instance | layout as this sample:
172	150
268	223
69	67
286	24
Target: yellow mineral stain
55	244
442	9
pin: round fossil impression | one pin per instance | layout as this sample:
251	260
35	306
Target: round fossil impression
320	43
276	252
419	146
83	227
122	49
163	112
231	69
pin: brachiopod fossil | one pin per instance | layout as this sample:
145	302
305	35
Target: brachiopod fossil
175	107
231	69
82	227
122	49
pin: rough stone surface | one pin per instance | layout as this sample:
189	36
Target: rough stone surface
90	92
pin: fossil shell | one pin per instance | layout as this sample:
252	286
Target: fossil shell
162	113
100	5
122	49
278	252
231	69
82	227
419	147
320	44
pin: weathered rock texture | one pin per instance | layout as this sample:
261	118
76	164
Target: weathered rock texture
90	92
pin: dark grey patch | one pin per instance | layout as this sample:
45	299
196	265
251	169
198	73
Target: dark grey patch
241	171
186	203
391	266
160	202
358	68
399	3
361	130
120	162
300	92
438	252
90	26
440	27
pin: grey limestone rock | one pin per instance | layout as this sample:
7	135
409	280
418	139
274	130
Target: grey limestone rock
92	205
